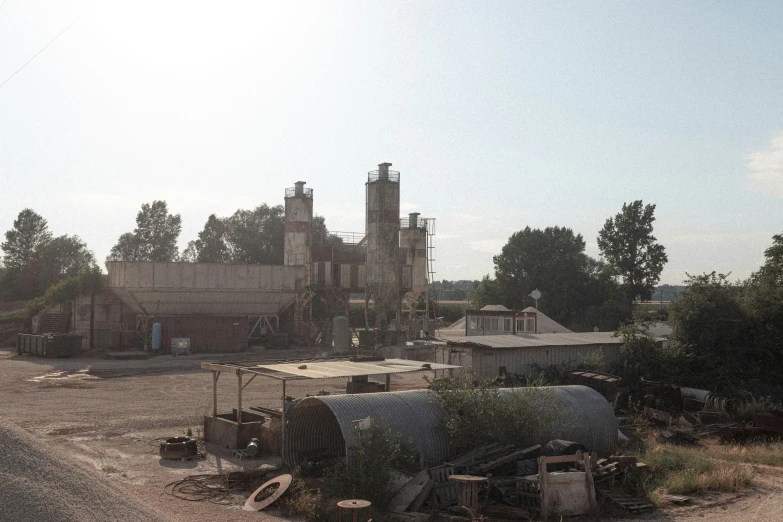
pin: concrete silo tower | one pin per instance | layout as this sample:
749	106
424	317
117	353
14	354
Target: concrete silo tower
413	244
383	241
298	226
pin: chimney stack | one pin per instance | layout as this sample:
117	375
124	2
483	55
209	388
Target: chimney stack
383	170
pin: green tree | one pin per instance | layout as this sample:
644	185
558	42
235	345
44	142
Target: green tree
715	332
256	236
155	236
553	261
212	245
23	242
763	300
321	234
62	257
484	292
35	261
627	243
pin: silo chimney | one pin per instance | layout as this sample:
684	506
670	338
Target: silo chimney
383	170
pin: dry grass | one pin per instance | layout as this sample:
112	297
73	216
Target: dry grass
691	470
764	454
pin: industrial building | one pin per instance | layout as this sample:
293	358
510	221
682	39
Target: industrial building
522	354
227	307
499	320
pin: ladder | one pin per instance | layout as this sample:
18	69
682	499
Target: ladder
430	226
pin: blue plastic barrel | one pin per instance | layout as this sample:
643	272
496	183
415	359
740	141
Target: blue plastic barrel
157	336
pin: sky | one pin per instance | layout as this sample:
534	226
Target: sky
498	115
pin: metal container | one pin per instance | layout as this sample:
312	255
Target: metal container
157	336
342	333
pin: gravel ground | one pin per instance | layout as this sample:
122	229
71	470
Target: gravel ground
87	451
39	484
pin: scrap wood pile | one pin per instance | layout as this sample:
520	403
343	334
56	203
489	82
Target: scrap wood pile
690	427
509	479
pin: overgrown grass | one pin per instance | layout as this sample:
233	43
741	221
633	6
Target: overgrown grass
764	454
743	410
689	471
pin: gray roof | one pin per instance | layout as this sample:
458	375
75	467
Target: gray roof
545	324
534	340
495	308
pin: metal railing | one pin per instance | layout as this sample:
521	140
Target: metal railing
349	238
306	192
420	223
374	175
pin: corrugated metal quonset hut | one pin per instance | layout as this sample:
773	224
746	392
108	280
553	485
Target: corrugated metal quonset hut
323	426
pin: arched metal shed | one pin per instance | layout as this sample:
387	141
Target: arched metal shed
323	426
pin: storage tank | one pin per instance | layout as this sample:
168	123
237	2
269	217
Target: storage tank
413	244
298	228
157	336
383	239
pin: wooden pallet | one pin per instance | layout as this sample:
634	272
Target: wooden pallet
627	502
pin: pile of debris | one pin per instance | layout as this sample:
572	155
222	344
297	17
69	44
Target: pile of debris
505	482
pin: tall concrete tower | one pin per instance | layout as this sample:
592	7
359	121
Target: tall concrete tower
298	230
413	243
383	240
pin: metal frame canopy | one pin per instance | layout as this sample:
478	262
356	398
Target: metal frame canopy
312	369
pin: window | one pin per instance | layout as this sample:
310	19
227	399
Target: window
506	325
520	325
530	324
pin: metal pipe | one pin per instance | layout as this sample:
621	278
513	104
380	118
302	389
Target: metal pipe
239	397
283	419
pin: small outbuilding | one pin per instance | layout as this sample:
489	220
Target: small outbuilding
522	353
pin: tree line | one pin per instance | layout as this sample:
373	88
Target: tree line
727	336
577	290
34	260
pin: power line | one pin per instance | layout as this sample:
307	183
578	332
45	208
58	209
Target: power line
39	52
1	5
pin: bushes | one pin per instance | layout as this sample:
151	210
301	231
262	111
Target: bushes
88	281
477	414
367	472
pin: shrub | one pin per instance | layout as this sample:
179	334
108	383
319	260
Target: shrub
368	471
476	412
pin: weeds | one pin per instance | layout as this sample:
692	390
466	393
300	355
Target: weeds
744	410
367	473
304	502
689	471
764	454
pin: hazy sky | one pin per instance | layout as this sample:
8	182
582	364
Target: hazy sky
499	115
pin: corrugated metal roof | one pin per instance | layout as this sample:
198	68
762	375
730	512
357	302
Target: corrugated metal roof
533	340
329	369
